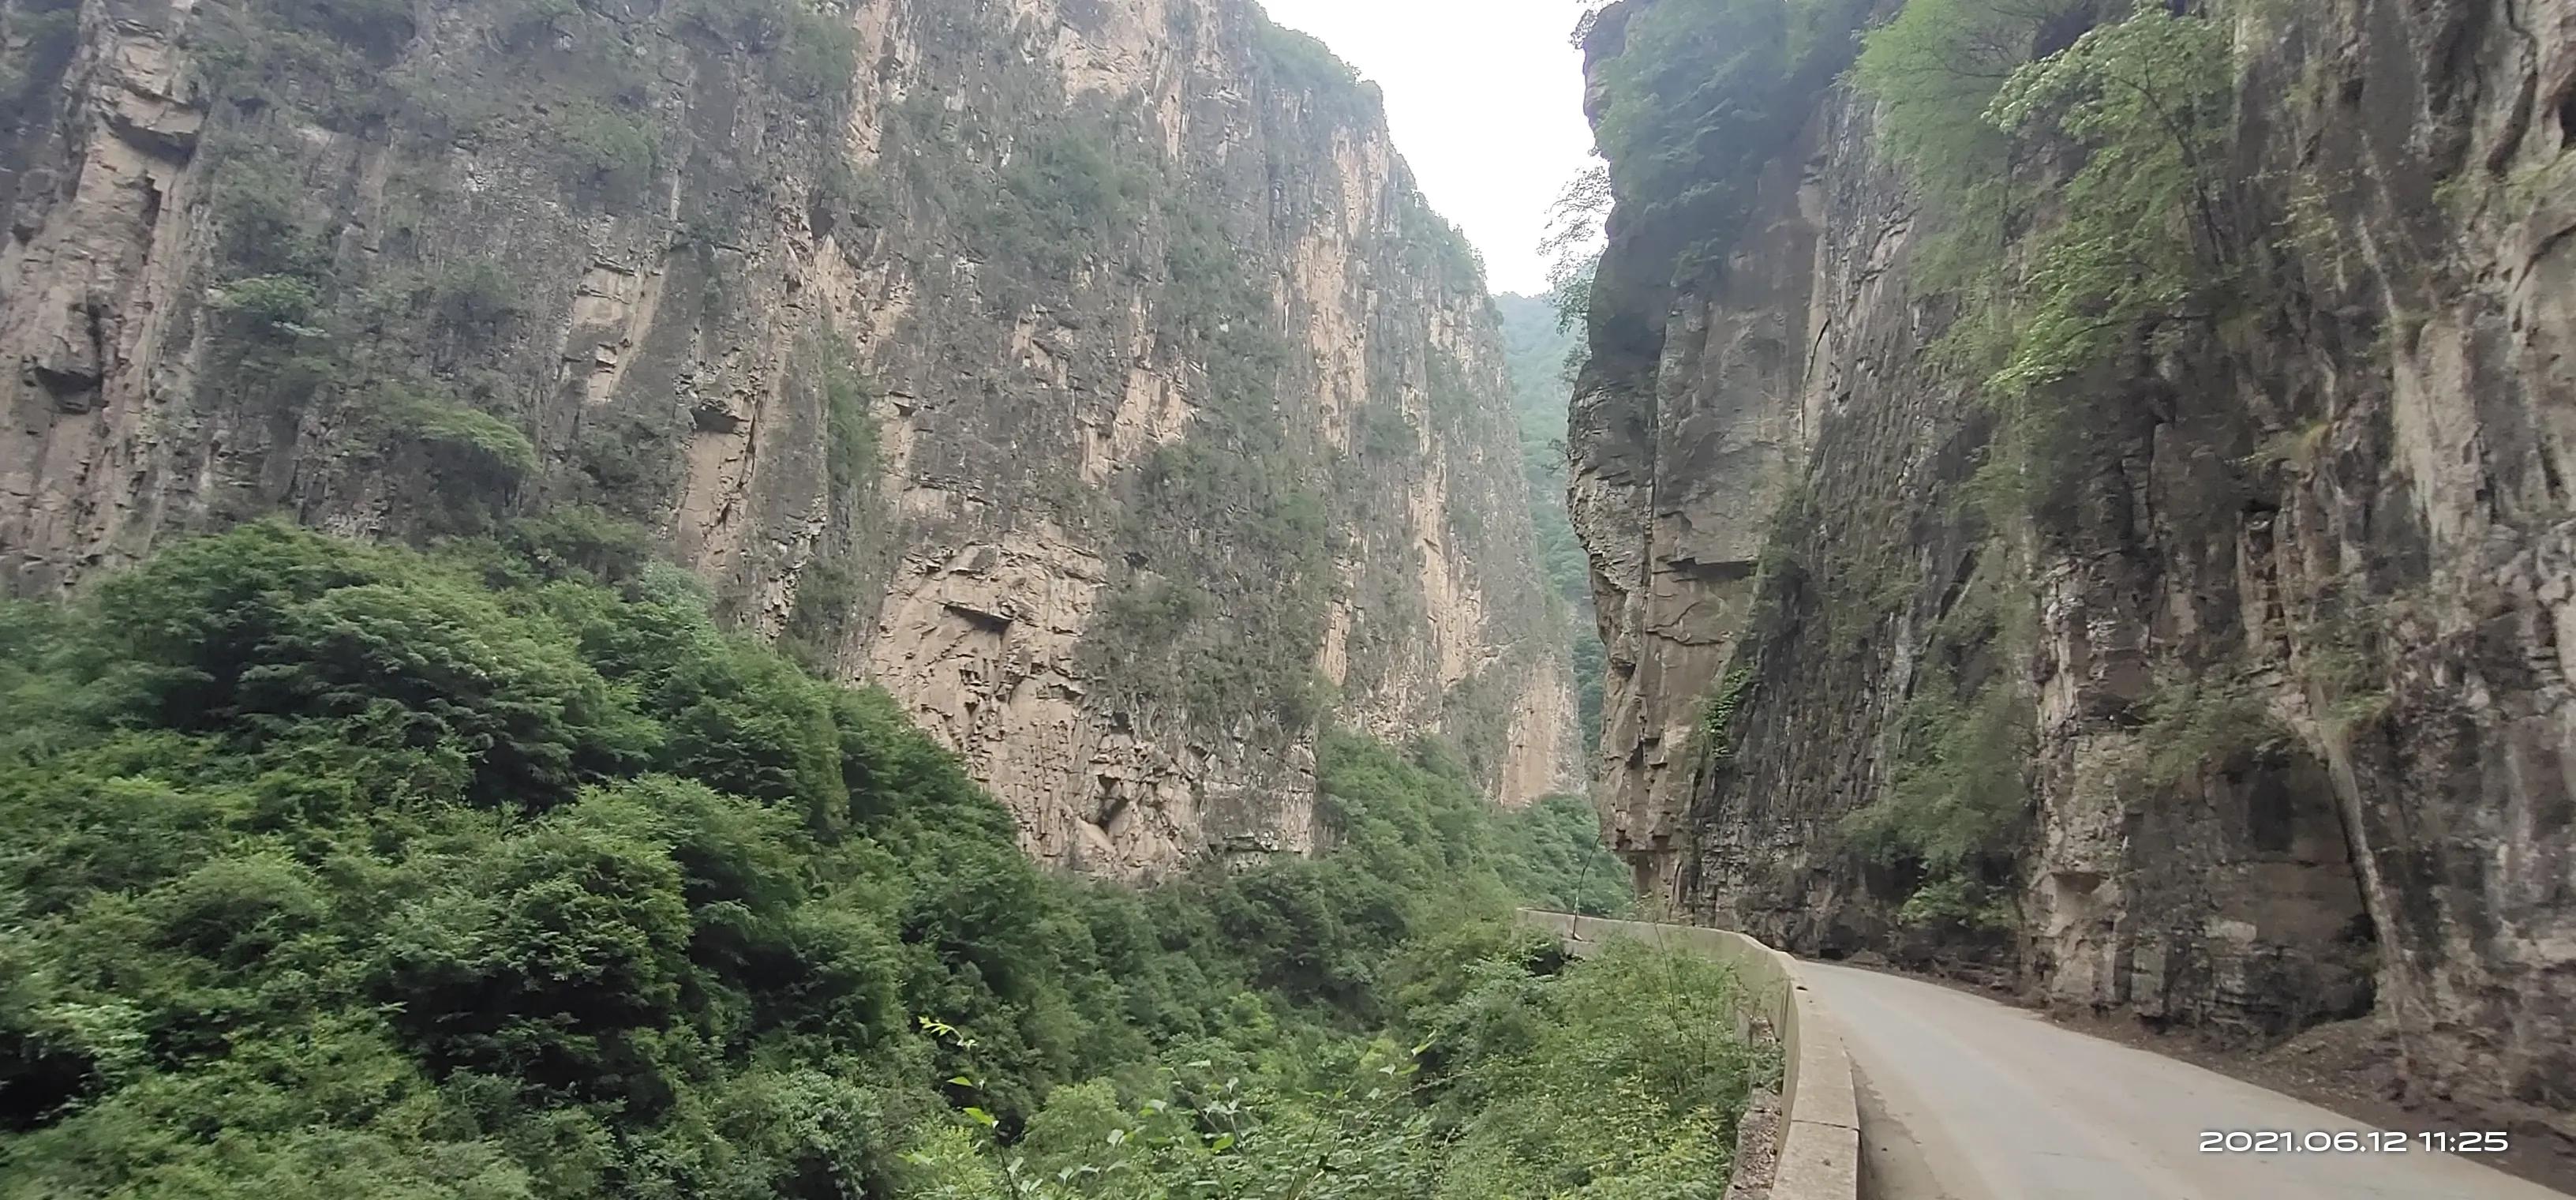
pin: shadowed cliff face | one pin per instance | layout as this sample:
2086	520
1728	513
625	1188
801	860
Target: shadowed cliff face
2246	705
1088	372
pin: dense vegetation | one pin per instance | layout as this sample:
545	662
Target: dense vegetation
356	872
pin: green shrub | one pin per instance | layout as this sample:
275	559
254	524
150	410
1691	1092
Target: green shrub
279	304
1961	903
2141	234
849	429
831	586
1938	65
524	23
260	205
1617	1077
1064	192
1304	64
2198	722
472	299
1554	856
600	147
576	543
1717	715
323	60
817	58
357	871
1957	799
1435	247
496	443
843	192
1386	432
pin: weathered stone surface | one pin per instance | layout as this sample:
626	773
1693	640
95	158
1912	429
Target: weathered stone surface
668	255
2357	501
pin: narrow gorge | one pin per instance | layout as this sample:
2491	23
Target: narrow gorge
979	600
1090	375
2077	497
816	599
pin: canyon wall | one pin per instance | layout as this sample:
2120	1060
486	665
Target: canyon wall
2196	650
1089	373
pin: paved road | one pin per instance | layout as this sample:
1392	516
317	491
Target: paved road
1966	1099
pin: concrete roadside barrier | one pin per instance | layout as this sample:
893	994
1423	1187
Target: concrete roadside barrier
1820	1119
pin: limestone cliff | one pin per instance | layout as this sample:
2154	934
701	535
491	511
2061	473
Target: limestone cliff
1087	372
2199	648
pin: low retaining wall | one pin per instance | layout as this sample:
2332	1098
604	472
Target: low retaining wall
1820	1120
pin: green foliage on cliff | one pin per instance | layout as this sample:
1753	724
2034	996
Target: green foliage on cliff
1227	535
1218	619
2068	152
2140	237
2344	662
808	46
1436	247
1953	810
831	587
272	303
600	146
850	433
1302	64
499	444
2195	721
2059	273
349	871
1066	189
1072	189
1937	67
1701	95
1957	798
1303	61
1716	728
377	317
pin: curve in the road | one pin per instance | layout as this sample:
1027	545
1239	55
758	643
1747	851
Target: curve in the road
1996	1103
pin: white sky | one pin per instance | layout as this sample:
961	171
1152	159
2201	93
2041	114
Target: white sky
1486	97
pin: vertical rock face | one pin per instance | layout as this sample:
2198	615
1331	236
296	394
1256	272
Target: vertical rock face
1087	372
2265	684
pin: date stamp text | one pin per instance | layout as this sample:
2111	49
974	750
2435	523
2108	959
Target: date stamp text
2352	1141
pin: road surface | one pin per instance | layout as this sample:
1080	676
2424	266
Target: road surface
1966	1099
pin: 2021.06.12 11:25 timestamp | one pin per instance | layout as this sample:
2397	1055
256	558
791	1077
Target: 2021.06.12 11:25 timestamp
2349	1141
